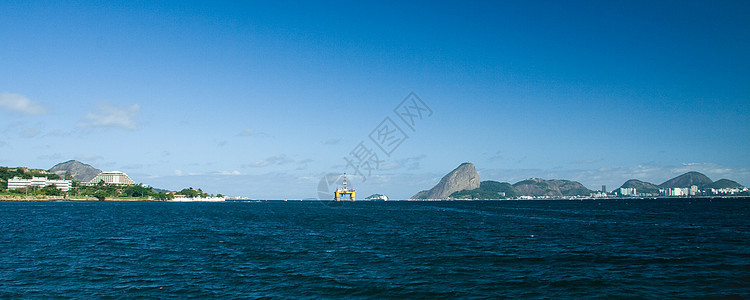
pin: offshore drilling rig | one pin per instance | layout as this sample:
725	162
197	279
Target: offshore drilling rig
344	191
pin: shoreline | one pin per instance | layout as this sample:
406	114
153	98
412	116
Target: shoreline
24	198
6	198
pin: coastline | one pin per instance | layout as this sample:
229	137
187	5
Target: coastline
24	198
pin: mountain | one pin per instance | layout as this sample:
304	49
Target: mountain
488	190
553	188
465	177
723	184
686	180
641	186
78	170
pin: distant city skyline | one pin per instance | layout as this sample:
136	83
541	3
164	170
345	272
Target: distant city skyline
265	99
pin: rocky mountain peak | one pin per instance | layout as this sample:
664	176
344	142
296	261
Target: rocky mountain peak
465	177
78	170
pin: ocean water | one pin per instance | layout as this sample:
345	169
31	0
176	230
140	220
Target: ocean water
494	249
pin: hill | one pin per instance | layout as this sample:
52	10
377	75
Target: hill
641	186
686	180
537	187
723	184
464	177
488	190
8	173
75	169
463	184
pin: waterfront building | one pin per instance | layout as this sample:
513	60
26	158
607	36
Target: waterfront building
114	177
693	190
628	192
39	182
599	195
675	192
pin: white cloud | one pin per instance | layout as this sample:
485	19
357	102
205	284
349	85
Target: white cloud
587	161
332	141
109	115
252	132
247	132
19	103
59	133
408	163
235	172
304	164
54	156
497	155
278	159
89	157
133	167
30	132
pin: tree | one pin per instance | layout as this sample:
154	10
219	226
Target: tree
100	194
136	191
189	192
50	190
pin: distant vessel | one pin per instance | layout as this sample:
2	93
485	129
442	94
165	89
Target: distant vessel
344	191
198	199
377	197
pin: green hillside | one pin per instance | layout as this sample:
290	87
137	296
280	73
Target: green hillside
26	173
488	190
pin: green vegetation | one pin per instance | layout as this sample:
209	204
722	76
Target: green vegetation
35	191
102	191
192	193
25	173
540	187
488	190
99	191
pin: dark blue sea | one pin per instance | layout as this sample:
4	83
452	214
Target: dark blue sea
485	249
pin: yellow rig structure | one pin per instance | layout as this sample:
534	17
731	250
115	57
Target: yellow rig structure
344	191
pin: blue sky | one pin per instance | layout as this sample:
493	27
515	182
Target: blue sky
264	99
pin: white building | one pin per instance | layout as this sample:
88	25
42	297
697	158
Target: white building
39	182
693	190
675	192
628	192
113	177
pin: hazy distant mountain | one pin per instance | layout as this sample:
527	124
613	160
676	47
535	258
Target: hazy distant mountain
488	190
686	180
78	170
553	188
723	184
465	177
641	186
463	183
